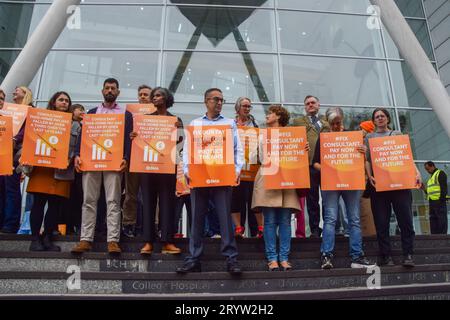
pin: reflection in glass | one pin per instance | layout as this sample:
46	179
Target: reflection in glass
7	58
139	27
250	75
249	3
332	34
406	89
353	116
336	80
420	29
15	20
428	138
108	1
81	73
220	29
190	111
354	6
411	8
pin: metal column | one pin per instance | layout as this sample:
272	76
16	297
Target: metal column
38	45
417	60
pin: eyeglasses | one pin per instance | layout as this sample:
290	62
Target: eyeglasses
217	99
247	106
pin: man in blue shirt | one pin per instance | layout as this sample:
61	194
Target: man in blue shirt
220	196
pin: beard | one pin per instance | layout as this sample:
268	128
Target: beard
109	98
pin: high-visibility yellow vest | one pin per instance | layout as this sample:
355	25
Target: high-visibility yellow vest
433	187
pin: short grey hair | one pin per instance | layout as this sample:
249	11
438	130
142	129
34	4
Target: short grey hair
238	103
333	113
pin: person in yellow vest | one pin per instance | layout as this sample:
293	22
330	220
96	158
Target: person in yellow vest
436	190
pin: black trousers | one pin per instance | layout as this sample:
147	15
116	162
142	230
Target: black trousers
312	201
181	201
221	198
158	189
242	202
37	212
71	214
438	217
382	204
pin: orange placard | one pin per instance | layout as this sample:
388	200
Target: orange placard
249	141
182	187
392	163
102	142
211	156
285	158
154	149
46	139
6	145
18	112
138	108
342	166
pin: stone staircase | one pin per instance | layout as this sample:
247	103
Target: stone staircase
25	274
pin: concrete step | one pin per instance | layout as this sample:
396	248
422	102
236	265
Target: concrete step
433	291
14	282
22	243
134	262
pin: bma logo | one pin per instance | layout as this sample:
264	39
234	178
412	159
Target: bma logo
74	20
373	22
374	281
74	281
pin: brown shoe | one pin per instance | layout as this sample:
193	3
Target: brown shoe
113	247
285	265
147	249
81	247
170	249
273	266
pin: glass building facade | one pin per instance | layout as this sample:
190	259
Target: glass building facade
272	51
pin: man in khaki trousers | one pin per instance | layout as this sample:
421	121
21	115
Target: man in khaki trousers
92	181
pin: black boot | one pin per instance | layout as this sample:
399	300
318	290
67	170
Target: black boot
49	245
37	244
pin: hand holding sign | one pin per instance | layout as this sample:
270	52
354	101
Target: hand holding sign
393	164
342	161
6	146
102	142
46	139
153	146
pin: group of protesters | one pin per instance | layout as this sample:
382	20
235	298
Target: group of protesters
76	198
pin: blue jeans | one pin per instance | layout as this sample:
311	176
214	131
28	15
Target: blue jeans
342	220
273	218
330	214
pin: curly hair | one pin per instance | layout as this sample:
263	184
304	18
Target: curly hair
167	95
280	111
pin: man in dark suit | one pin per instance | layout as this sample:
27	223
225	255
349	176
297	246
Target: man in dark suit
314	126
